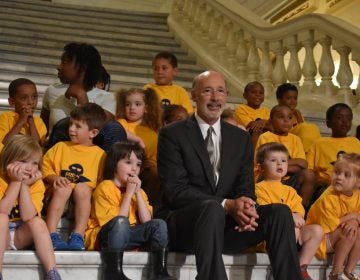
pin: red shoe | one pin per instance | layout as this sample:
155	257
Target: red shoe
304	274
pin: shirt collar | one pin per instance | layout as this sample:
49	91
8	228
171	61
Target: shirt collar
204	126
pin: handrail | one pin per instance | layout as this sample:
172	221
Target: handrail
245	49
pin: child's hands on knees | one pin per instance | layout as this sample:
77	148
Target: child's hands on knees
298	220
350	228
61	182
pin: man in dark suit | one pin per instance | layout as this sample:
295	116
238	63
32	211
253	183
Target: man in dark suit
209	201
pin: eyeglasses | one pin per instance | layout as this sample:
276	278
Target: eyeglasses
210	91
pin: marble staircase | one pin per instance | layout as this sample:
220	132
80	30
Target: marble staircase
87	266
33	34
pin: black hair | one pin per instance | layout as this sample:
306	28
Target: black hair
118	151
169	112
276	108
91	113
252	84
282	89
169	56
87	59
15	84
264	149
105	78
332	109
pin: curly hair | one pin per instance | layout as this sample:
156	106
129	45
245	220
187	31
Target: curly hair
152	116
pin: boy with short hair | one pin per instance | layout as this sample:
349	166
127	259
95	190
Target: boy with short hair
324	151
272	159
252	115
23	97
73	168
301	178
287	94
165	68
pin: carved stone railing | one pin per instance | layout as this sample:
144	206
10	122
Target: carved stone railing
245	48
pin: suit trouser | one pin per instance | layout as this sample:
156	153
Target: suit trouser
204	229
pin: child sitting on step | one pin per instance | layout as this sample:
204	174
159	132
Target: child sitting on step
172	113
138	111
325	151
337	210
252	115
121	215
165	69
287	94
299	176
73	169
272	159
21	201
23	97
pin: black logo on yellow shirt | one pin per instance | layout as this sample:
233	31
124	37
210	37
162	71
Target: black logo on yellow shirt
74	174
15	212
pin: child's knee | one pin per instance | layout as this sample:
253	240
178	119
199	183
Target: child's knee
37	223
308	176
4	219
62	194
82	191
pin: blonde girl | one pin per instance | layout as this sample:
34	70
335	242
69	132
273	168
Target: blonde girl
21	195
337	210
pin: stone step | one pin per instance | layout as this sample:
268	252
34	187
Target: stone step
116	26
87	266
31	44
99	15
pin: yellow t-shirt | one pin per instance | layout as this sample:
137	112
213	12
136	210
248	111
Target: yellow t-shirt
327	211
78	163
308	133
244	114
106	202
292	143
268	192
148	135
324	152
9	119
37	191
172	94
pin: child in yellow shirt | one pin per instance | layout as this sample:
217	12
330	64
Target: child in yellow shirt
301	178
173	113
121	215
138	111
324	151
272	159
23	97
287	94
74	168
21	200
165	69
337	211
252	115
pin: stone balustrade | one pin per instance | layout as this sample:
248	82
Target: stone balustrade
245	48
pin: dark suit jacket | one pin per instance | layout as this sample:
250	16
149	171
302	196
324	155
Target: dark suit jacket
185	170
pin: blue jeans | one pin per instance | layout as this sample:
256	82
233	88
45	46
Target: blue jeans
118	235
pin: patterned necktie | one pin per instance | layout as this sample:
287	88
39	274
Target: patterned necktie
210	146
